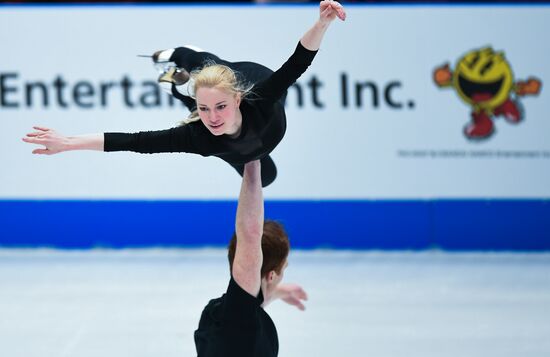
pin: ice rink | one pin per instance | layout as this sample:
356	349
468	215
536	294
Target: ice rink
114	303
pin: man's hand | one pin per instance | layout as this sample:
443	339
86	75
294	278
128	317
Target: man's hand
292	294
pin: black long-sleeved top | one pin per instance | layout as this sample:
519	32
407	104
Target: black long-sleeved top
236	325
263	124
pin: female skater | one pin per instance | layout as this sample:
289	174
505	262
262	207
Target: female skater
238	123
235	324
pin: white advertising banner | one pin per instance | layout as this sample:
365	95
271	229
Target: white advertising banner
401	102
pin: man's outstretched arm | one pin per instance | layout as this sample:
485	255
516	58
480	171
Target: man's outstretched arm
249	227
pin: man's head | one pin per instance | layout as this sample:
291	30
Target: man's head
275	249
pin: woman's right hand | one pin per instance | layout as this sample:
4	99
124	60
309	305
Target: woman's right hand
53	141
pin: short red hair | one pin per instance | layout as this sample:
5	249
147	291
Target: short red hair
275	248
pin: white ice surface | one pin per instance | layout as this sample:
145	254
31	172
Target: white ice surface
139	303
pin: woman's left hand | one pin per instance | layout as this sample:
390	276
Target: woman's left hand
330	10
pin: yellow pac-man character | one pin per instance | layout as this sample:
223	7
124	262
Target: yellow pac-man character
483	79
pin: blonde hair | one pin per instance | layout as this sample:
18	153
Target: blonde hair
217	76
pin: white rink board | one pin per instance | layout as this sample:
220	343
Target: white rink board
330	152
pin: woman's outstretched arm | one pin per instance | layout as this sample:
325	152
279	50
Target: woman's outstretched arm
177	139
55	142
329	10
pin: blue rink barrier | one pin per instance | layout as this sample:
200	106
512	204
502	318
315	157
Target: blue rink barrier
373	224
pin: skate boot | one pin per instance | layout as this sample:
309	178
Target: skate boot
177	76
